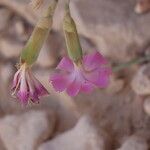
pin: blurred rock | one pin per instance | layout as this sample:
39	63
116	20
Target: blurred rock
83	136
87	45
18	30
19	27
51	50
134	143
112	25
1	145
141	81
26	131
146	105
6	72
4	18
44	57
22	8
142	6
10	48
116	85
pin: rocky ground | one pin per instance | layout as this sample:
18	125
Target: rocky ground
113	119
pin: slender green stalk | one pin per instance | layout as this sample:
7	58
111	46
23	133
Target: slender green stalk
31	50
71	36
131	62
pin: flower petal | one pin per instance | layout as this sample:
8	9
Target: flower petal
99	77
16	79
74	88
65	64
87	87
23	93
23	97
40	89
59	81
33	93
34	97
103	79
94	60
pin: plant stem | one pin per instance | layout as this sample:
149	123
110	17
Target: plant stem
131	62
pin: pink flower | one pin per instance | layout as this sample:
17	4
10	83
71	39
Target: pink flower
26	87
92	72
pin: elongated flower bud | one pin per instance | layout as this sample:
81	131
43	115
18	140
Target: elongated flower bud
71	37
32	48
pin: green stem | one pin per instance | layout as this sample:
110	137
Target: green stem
31	50
131	62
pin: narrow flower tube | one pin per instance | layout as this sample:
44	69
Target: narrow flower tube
71	36
31	50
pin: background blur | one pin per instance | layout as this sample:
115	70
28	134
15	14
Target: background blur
113	119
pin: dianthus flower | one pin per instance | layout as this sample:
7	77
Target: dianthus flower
26	87
91	72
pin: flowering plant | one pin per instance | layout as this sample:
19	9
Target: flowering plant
75	73
92	72
79	73
25	85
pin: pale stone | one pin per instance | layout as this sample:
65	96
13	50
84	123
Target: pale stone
146	105
26	131
134	143
112	25
115	86
10	48
141	81
84	136
4	18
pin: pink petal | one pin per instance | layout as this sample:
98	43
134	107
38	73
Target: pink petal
59	81
92	76
99	77
33	94
103	79
74	88
99	59
65	64
23	93
87	87
16	79
23	97
39	88
92	61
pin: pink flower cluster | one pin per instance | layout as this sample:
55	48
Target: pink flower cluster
92	72
26	87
